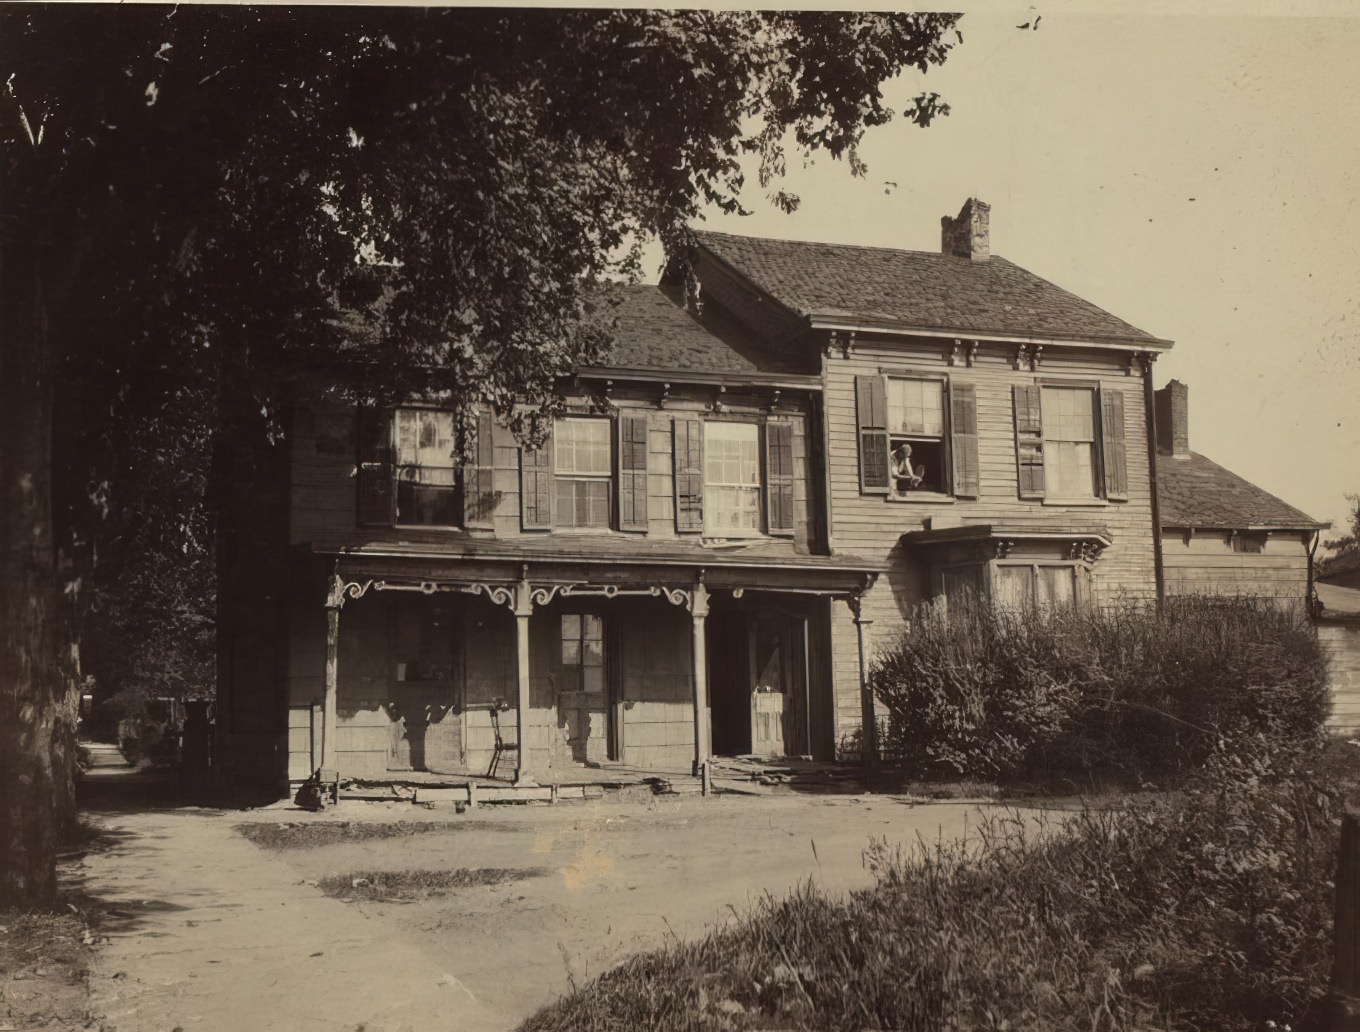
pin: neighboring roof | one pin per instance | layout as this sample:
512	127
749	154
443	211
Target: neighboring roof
916	290
1193	491
654	332
1338	603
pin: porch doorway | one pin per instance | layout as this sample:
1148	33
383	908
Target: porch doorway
758	682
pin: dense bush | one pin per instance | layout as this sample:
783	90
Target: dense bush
986	691
1207	909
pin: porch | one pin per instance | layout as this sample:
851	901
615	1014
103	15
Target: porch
441	676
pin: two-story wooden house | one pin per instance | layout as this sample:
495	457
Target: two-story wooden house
756	490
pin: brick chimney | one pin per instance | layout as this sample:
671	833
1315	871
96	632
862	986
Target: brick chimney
966	235
1171	409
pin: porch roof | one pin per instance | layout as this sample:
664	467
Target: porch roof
1093	532
600	561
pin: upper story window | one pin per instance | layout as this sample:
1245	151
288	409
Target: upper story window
726	478
917	437
428	488
732	479
411	474
584	469
1069	443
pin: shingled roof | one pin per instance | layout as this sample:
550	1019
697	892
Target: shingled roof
1196	492
916	290
655	332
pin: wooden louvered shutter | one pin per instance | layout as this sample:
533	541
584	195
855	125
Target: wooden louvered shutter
689	475
536	486
871	405
963	430
374	467
632	472
779	478
479	492
1112	445
1029	440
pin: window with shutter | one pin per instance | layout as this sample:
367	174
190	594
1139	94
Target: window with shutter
1029	440
426	468
871	407
963	432
535	488
779	516
1069	434
688	444
731	479
479	492
632	472
583	473
1112	445
374	474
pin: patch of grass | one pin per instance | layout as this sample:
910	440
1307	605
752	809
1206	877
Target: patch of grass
314	834
44	969
406	886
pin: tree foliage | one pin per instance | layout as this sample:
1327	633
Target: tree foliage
197	199
1345	548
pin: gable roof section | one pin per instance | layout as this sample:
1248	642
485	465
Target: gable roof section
1195	492
655	332
918	290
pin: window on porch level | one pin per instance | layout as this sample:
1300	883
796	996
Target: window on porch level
582	652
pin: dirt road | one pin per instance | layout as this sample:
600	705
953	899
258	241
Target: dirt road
211	932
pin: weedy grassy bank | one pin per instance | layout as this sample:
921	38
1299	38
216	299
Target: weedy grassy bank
1207	909
44	970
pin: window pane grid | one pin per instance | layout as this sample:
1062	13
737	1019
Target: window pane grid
916	407
1069	441
732	475
582	446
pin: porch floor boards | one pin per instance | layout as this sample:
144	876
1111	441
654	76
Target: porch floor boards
741	775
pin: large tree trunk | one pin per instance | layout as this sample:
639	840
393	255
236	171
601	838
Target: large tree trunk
33	681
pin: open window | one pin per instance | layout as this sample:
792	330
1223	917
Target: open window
411	472
917	437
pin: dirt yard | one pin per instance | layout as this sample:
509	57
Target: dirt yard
210	931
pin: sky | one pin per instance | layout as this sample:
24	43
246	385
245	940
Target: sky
1196	175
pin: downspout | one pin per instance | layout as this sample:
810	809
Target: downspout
820	405
1151	417
1311	601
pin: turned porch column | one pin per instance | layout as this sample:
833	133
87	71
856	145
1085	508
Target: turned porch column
335	600
698	608
524	608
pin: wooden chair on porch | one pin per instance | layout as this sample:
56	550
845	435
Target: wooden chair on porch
498	707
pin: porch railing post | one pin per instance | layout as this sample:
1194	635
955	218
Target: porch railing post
524	608
698	609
